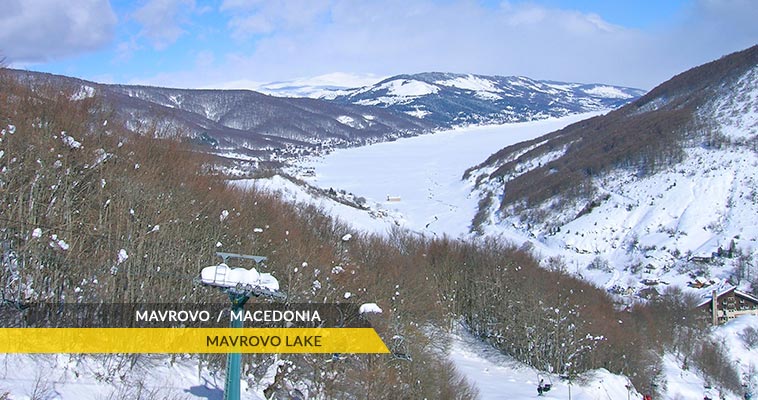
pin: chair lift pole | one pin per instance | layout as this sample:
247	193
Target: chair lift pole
238	297
233	360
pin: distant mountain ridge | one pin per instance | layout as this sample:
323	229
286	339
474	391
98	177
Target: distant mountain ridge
322	86
298	120
248	125
450	99
240	124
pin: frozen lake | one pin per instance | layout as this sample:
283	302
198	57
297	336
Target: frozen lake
422	175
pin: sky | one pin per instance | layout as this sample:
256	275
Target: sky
245	43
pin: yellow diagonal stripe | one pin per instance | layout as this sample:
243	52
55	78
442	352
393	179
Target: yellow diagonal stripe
190	340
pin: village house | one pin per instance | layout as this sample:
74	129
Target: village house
729	304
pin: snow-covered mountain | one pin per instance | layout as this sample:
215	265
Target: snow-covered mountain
249	125
322	86
660	187
450	99
240	124
278	121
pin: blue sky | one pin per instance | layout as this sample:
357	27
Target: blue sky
242	43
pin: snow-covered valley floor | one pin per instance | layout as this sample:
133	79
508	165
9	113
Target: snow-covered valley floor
417	181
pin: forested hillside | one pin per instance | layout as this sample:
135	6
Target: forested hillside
644	137
238	124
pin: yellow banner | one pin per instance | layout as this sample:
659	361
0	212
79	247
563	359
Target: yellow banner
190	340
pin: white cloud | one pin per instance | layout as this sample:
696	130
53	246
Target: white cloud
125	49
162	20
300	38
204	59
42	30
237	5
253	17
243	27
400	37
707	30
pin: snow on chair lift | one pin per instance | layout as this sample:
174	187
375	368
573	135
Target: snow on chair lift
241	280
369	308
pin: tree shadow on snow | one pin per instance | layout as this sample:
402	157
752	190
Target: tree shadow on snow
202	391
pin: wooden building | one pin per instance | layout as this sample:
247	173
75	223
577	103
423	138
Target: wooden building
729	304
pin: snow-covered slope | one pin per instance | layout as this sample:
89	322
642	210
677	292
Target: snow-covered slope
664	188
496	375
665	227
739	339
457	99
91	377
